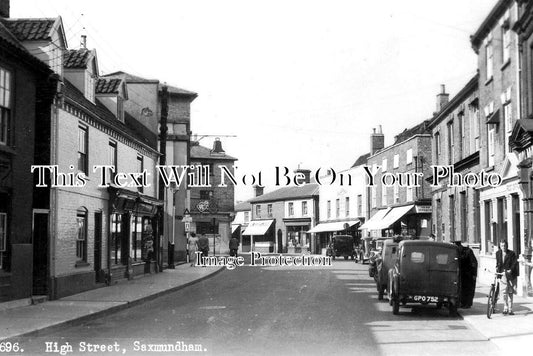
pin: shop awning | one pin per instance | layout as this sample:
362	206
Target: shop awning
234	227
257	227
374	220
394	215
332	226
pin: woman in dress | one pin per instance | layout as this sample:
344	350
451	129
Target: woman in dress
193	246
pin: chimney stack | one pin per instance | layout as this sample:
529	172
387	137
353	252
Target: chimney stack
258	191
306	173
442	98
377	140
83	41
4	8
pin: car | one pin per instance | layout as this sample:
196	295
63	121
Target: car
387	261
425	272
343	245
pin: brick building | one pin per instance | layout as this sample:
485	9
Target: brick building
27	88
213	208
342	204
281	220
501	207
456	130
393	208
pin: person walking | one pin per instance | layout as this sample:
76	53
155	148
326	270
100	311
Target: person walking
507	263
233	246
193	246
203	246
468	269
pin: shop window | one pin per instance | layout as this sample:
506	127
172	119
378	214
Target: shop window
3	237
81	239
116	238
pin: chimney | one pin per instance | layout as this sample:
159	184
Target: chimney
306	173
217	147
258	191
4	8
83	41
442	98
377	140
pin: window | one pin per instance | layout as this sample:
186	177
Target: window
489	242
437	147
89	86
113	157
258	211
384	166
409	194
329	209
116	238
347	206
417	257
246	216
81	240
3	236
120	108
83	150
450	142
489	60
269	210
374	198
475	123
463	148
409	156
5	106
442	259
396	193
359	205
506	47
140	168
396	161
383	194
337	208
491	147
206	194
507	110
304	208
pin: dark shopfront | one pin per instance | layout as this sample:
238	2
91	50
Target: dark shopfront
133	229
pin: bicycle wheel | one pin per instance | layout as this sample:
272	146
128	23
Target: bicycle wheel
490	301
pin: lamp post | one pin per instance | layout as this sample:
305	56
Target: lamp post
171	241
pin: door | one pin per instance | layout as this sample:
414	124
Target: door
98	245
40	253
280	241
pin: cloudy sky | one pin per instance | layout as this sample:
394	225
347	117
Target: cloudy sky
297	82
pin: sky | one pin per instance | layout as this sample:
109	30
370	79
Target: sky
285	82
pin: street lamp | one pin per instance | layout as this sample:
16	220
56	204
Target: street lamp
171	241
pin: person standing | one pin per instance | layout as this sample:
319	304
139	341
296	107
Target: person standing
233	246
507	263
203	246
193	246
468	267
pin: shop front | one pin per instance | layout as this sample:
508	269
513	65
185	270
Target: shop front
259	236
133	230
327	230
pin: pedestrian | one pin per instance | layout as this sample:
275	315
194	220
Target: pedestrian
468	270
203	246
193	246
507	263
233	246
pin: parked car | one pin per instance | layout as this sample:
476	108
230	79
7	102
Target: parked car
343	245
425	272
387	261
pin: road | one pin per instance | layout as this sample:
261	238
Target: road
274	310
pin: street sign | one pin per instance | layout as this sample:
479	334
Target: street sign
187	226
187	219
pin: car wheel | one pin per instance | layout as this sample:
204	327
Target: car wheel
380	294
395	306
452	309
439	305
345	257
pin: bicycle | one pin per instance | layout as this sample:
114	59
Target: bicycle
493	294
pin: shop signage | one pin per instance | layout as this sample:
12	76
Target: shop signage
423	209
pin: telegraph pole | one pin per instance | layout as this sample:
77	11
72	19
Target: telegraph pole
162	161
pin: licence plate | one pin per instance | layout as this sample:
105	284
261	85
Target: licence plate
425	299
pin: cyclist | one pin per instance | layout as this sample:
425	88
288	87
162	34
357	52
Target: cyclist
507	263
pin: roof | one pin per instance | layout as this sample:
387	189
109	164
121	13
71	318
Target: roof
422	128
178	91
131	78
30	29
243	206
287	193
76	58
492	19
201	152
108	85
99	110
361	160
7	36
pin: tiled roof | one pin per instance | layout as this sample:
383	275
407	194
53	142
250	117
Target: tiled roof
101	112
7	36
243	206
76	58
419	129
201	152
361	160
30	29
287	193
130	78
108	86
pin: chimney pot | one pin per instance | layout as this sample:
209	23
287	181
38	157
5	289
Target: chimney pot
258	190
83	41
377	141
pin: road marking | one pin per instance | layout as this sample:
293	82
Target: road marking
211	307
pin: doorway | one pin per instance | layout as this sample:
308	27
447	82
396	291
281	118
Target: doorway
98	246
40	252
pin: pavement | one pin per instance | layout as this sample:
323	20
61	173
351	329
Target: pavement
19	319
510	333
